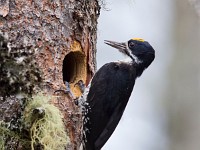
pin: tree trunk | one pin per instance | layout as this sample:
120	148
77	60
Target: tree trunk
42	44
183	92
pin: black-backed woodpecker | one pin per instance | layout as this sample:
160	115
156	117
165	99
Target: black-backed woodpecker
104	100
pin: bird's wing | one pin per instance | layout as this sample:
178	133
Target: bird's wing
110	90
109	128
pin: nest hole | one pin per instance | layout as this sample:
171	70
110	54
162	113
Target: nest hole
74	67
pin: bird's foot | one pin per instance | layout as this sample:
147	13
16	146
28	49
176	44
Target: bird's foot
81	85
67	90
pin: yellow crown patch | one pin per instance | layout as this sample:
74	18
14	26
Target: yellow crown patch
138	39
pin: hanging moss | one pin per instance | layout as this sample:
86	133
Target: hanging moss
45	124
8	136
2	136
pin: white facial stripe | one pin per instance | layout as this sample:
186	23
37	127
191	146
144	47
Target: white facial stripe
133	56
127	60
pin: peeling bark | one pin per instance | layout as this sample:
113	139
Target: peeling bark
36	37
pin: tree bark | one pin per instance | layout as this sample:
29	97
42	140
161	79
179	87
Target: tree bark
183	87
43	44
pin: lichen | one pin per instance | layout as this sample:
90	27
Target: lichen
8	136
2	142
18	70
46	131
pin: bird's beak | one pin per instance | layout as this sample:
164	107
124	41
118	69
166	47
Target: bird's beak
120	46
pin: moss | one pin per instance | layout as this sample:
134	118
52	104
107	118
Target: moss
2	140
45	124
8	135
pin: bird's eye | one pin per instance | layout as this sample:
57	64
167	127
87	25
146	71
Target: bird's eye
131	44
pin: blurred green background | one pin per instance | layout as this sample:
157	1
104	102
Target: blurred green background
163	112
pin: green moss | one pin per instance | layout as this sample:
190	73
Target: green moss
47	131
7	135
2	137
1	143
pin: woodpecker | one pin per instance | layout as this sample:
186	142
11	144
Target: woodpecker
104	100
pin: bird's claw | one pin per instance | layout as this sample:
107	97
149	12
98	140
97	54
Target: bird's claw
67	90
81	85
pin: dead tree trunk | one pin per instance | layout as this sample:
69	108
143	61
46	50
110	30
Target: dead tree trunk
42	44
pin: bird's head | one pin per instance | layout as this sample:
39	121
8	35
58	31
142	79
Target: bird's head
139	50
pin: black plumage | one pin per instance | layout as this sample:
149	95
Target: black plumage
109	91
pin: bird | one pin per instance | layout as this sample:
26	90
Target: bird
105	98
